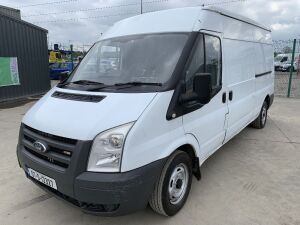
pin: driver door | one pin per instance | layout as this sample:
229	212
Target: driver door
206	122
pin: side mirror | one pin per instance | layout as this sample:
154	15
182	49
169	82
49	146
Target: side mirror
63	76
201	90
202	87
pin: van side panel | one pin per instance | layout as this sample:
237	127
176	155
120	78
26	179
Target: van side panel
239	74
247	52
237	30
264	85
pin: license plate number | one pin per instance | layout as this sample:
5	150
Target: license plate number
42	178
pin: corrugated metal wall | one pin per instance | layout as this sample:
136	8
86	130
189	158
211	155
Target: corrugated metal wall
29	44
10	12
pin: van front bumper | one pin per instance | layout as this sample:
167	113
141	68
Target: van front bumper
120	193
106	194
111	194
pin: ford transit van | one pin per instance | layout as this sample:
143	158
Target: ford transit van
154	98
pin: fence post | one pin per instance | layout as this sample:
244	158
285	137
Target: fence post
292	68
72	61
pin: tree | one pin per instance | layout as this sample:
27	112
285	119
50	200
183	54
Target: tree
287	49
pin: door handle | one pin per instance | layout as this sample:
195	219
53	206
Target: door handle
230	95
224	97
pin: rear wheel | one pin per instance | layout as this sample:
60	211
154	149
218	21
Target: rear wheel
261	120
173	186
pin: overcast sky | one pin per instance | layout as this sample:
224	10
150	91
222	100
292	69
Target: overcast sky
82	21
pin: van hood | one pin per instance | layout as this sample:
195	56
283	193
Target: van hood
277	63
83	120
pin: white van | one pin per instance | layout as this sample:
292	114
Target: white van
152	100
283	62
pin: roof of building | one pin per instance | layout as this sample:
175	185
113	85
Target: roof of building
8	8
4	15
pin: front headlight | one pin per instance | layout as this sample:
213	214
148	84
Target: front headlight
106	152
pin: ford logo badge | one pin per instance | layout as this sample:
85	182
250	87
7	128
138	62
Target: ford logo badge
40	146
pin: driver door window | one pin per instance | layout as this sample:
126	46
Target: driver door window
196	64
205	58
213	61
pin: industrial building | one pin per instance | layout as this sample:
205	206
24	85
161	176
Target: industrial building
23	57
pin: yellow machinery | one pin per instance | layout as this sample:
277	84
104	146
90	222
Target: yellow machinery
55	57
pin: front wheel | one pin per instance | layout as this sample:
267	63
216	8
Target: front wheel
173	186
261	120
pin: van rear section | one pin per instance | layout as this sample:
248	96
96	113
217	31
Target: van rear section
156	96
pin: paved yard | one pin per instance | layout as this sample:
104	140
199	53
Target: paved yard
253	179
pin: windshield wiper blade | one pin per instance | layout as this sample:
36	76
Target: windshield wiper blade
87	82
81	82
127	85
138	83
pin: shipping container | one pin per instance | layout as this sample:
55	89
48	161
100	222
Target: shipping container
23	58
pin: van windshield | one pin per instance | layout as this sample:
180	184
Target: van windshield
278	58
149	58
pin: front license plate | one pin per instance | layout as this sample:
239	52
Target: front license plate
42	178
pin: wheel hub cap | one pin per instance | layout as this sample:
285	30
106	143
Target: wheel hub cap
264	115
178	183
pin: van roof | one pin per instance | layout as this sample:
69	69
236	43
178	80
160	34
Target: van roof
190	19
235	16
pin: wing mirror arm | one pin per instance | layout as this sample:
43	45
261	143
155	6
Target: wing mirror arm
64	76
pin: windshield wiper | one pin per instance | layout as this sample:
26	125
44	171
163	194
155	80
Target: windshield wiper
127	85
138	83
87	82
81	82
102	85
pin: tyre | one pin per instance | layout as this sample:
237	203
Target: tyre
261	120
290	68
173	186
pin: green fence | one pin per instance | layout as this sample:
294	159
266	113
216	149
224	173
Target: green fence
287	77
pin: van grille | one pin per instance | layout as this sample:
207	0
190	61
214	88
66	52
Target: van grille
54	137
78	97
60	149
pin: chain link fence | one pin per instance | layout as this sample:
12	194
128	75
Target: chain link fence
287	76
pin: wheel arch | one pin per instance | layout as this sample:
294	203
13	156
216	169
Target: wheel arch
189	144
268	100
189	149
